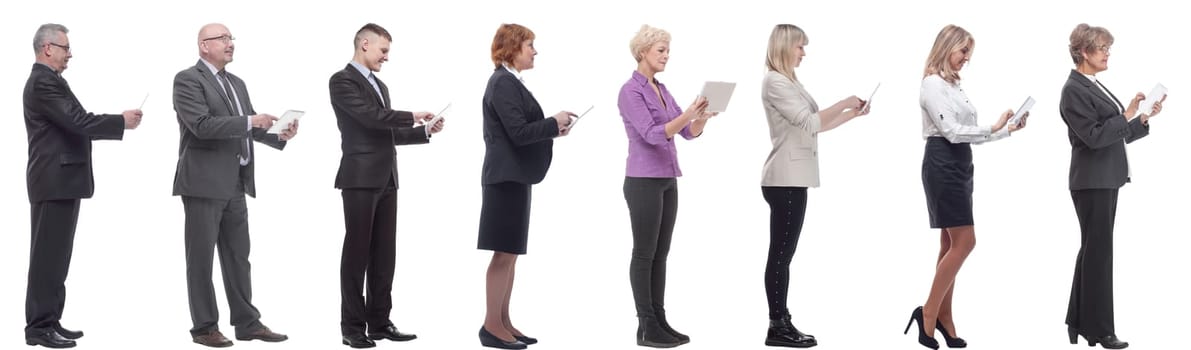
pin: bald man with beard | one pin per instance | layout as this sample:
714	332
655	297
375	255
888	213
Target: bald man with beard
215	171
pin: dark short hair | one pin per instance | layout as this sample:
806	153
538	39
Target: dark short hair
507	42
374	29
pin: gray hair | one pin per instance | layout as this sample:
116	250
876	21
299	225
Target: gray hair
45	33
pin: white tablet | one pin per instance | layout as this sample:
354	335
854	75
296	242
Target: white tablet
718	93
1025	107
286	119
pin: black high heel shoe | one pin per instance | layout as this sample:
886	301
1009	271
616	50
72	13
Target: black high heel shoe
489	340
926	341
954	343
1108	342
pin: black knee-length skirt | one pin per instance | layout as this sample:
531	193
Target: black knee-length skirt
504	217
947	180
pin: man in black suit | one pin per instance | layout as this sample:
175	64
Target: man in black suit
215	170
370	129
58	176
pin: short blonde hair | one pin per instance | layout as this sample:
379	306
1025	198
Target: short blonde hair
1086	38
784	38
950	40
645	39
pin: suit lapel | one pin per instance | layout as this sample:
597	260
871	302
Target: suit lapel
210	78
1094	89
361	79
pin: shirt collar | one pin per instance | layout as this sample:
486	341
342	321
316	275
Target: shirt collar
210	67
642	80
516	73
367	73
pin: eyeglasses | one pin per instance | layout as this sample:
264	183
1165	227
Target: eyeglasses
1104	48
64	47
224	38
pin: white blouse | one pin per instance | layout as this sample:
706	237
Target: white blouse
947	112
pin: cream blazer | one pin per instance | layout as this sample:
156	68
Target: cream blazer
794	125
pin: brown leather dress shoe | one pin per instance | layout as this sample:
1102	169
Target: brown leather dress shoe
213	339
263	334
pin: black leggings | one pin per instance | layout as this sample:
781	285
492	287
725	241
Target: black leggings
787	208
653	206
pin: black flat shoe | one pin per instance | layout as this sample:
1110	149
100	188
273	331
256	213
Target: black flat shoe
358	341
528	340
50	339
783	333
489	340
926	341
956	342
390	333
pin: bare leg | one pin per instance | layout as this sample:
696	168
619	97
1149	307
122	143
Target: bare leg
499	285
963	240
944	316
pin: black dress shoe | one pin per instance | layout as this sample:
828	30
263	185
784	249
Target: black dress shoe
66	333
783	333
49	338
528	340
358	341
489	340
390	332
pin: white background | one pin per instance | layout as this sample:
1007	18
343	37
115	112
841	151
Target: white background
866	256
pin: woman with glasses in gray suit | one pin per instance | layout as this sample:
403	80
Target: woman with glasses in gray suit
793	165
1098	127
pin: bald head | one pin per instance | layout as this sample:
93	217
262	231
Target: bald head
215	43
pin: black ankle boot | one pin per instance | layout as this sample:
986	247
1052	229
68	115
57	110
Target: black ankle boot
683	338
783	333
650	333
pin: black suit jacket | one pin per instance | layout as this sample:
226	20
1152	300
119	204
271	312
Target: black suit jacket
1096	129
210	136
60	133
518	138
369	130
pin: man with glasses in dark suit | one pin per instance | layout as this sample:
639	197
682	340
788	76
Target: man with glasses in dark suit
215	171
59	174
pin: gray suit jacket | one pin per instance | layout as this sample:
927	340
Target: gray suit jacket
211	133
1096	129
794	126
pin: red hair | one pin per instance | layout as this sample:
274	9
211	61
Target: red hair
507	42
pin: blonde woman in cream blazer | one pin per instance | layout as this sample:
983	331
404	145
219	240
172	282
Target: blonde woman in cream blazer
793	165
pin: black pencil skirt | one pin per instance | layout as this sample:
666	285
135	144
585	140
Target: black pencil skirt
947	180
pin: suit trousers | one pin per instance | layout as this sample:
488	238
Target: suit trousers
53	225
369	256
223	224
653	207
1090	309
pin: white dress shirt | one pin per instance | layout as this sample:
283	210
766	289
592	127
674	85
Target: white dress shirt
947	112
236	98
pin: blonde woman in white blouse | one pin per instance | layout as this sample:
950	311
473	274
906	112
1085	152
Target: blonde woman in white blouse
792	166
949	127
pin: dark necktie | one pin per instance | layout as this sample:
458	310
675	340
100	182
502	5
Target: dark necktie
245	154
